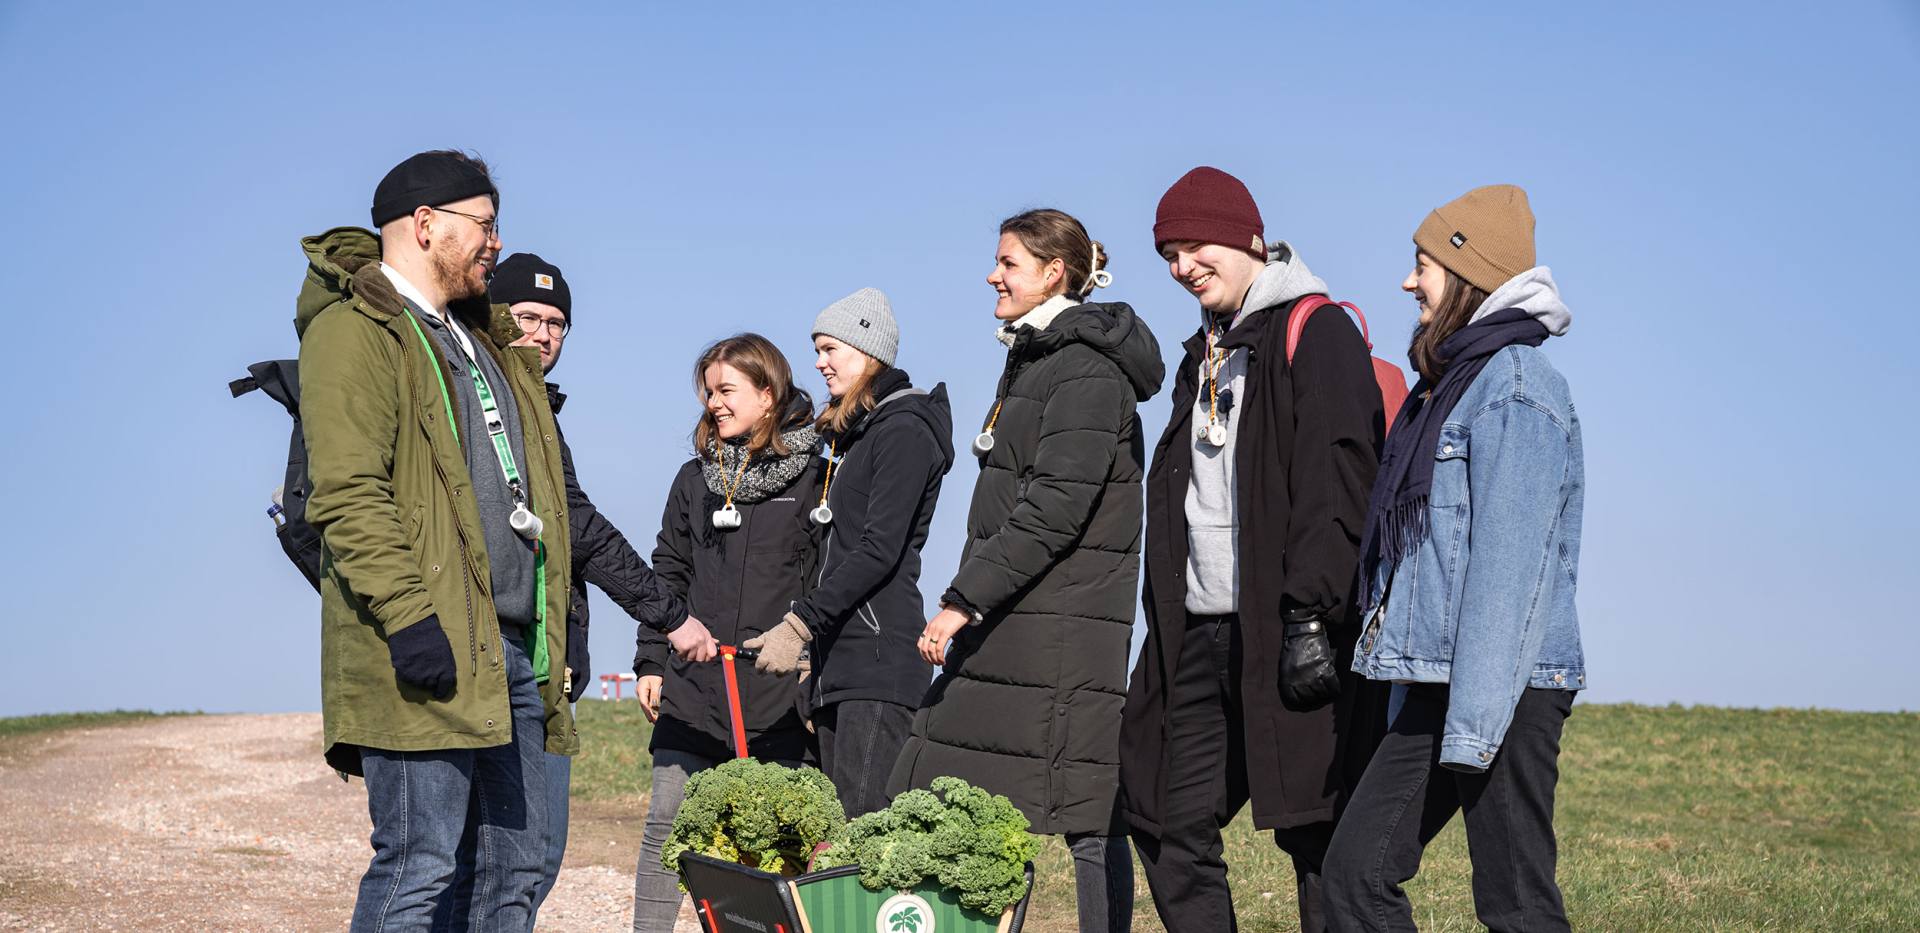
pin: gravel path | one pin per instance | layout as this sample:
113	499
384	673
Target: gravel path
228	823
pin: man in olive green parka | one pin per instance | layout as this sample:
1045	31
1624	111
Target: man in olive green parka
437	494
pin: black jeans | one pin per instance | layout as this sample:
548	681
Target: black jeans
859	742
1207	787
1406	798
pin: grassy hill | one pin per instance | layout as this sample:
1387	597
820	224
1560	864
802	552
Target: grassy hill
1670	818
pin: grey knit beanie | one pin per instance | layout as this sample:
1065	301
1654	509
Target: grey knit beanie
863	321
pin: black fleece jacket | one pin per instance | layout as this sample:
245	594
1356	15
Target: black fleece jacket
602	557
865	611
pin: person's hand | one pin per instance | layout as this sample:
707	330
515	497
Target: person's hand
940	630
693	642
647	690
422	657
780	646
1308	678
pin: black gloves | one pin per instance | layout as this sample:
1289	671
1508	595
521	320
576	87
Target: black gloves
422	657
1308	679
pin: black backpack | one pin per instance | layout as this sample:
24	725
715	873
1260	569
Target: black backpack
280	379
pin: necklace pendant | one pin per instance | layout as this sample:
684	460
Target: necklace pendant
821	515
524	523
1214	434
726	517
983	444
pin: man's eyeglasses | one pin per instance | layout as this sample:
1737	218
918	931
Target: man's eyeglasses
488	225
531	323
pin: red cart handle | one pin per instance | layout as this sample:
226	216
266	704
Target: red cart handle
727	654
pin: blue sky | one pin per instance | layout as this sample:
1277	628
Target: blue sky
1726	193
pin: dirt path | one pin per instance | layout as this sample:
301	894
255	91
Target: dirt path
228	823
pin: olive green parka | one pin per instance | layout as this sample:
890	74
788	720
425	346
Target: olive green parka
394	505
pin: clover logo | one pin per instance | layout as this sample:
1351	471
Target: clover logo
904	913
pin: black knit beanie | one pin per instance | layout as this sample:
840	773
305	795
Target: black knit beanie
526	277
430	179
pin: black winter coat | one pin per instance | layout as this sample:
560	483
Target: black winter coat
865	611
739	583
1029	702
1308	447
602	557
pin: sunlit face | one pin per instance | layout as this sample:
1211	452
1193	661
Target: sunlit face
1022	280
541	325
840	364
734	401
1427	283
1218	276
462	251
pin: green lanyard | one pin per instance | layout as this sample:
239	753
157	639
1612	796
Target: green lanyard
497	429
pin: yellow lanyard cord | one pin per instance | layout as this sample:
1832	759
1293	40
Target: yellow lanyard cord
995	417
827	484
733	487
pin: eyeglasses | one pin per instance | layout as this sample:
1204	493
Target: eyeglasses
531	323
488	225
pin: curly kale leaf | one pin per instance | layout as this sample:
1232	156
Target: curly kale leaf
762	815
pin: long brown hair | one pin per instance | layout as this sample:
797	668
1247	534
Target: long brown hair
1453	312
840	413
1049	235
766	367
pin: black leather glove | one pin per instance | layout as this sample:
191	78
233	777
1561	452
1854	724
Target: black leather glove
423	658
1308	679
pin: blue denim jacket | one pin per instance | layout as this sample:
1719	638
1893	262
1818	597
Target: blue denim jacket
1486	602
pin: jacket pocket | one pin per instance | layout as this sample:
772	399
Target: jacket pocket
1451	456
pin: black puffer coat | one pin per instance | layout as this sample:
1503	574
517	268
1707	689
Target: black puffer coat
739	583
866	612
1029	703
602	557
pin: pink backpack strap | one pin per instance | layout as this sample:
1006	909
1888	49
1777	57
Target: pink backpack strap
1303	310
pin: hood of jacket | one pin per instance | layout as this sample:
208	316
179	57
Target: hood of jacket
1285	278
1115	332
343	267
1534	292
930	407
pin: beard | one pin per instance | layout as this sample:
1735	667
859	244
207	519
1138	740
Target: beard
455	275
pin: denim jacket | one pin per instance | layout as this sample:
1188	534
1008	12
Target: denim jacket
1486	603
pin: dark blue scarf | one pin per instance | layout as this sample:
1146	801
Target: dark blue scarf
1397	511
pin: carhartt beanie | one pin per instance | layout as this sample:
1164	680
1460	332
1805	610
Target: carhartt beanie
429	179
1484	236
526	277
1210	206
863	321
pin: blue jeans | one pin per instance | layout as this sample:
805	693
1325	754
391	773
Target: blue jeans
422	803
559	784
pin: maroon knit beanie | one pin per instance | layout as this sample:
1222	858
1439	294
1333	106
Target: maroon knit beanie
1208	205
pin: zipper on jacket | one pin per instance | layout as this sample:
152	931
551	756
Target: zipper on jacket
466	560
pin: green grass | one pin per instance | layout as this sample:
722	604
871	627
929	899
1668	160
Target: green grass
27	725
1669	818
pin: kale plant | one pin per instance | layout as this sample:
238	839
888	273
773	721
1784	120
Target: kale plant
761	815
971	842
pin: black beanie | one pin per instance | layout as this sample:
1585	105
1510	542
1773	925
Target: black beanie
429	180
526	277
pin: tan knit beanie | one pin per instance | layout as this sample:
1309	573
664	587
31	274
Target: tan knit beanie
1484	236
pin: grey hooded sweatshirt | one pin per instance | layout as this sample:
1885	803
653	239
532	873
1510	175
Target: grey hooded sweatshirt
1213	527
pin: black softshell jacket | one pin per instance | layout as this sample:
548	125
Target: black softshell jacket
1029	702
1308	449
866	611
739	583
602	557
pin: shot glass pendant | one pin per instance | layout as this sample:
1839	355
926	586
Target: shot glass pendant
1214	434
983	443
524	523
821	515
726	516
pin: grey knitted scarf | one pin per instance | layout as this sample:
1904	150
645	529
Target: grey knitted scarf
767	472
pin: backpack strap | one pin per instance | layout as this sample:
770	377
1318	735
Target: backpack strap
1303	310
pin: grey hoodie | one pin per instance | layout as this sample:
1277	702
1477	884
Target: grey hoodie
1213	525
1531	291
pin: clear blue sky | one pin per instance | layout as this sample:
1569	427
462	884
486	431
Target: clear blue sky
1726	192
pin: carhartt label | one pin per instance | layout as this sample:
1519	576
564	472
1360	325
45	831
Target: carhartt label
543	280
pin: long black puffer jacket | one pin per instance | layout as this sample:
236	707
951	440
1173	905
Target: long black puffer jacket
738	582
1029	702
865	611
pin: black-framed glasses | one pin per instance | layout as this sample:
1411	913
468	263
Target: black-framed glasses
530	324
488	225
